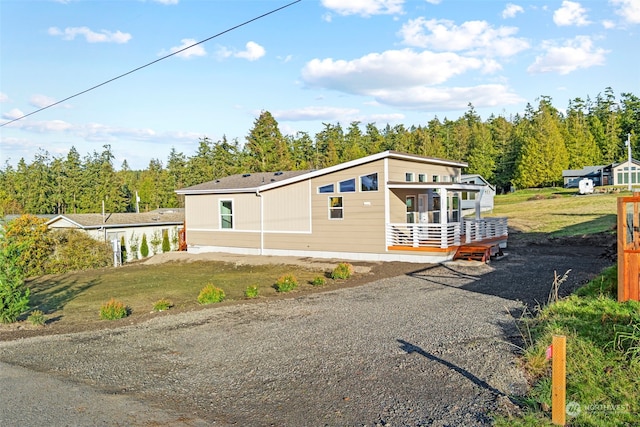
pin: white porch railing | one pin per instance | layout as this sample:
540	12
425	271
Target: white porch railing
445	235
476	230
424	235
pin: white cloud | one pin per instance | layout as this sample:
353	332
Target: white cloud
608	25
628	9
449	99
197	50
4	97
252	52
41	101
364	7
104	36
511	10
315	113
474	37
572	55
433	1
12	114
167	1
570	13
390	69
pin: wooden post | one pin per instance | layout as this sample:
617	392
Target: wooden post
558	379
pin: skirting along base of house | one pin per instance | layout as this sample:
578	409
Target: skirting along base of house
423	257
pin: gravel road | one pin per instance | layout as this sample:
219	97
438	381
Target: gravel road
425	349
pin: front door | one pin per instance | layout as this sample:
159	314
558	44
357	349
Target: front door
423	208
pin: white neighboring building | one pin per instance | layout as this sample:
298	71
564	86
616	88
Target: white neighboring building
486	195
131	226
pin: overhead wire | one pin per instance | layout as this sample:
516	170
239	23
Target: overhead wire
152	62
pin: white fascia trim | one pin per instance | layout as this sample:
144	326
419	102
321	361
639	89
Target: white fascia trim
449	187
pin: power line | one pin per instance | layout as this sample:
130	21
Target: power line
152	62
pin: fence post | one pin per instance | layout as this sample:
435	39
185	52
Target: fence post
559	379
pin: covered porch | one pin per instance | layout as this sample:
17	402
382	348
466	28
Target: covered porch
433	221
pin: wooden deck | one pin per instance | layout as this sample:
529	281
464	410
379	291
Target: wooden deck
479	251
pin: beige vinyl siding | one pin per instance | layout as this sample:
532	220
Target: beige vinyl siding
287	208
399	168
398	204
203	211
231	239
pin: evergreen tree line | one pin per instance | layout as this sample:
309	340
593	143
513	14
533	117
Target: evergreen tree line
526	150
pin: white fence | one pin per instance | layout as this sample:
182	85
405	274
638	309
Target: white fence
476	230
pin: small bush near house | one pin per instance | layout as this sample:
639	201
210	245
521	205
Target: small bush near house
75	250
37	318
162	305
344	270
210	294
251	292
318	281
144	246
286	283
166	245
123	251
113	309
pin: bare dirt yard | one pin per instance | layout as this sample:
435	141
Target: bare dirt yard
401	344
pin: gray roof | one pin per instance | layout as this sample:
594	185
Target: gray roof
112	220
587	170
246	181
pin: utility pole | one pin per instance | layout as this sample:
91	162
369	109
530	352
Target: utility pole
628	143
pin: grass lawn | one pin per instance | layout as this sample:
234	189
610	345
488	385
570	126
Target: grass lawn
557	211
75	298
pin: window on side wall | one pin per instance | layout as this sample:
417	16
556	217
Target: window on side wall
422	177
347	186
408	176
336	211
326	189
369	182
435	178
226	214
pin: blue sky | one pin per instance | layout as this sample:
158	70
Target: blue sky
314	62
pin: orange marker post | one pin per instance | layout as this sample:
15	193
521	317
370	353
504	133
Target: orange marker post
559	379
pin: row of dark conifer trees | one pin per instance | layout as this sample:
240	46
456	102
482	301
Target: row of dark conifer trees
526	150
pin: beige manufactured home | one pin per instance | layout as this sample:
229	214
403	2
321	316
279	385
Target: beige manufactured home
388	206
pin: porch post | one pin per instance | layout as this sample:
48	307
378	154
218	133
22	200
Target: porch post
477	202
444	211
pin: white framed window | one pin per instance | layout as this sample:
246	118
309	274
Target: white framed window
336	210
435	178
408	176
226	214
369	182
329	188
422	177
347	186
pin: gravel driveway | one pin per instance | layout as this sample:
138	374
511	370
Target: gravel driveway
428	348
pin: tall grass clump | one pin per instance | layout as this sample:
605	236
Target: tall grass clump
344	270
251	291
211	294
113	310
162	305
286	283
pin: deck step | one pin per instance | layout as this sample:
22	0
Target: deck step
478	252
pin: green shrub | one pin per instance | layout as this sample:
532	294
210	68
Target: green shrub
344	270
37	318
210	294
123	251
14	295
144	246
166	245
251	292
318	281
75	250
286	283
113	309
162	305
156	241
